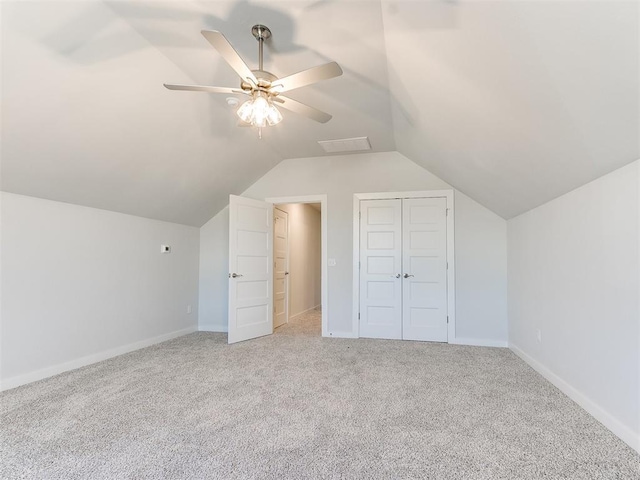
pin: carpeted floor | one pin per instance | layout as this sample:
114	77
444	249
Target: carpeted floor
295	405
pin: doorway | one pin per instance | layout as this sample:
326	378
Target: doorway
320	201
251	265
297	253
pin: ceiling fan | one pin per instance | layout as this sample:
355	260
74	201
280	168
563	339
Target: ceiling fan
264	88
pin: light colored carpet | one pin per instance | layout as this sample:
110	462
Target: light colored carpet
295	405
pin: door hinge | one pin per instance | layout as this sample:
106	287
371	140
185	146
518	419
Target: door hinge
360	215
447	265
447	318
359	265
447	212
358	315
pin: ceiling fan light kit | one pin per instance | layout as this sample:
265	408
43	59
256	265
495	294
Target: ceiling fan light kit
259	111
263	87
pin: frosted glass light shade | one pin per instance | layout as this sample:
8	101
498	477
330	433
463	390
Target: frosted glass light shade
274	116
245	112
260	111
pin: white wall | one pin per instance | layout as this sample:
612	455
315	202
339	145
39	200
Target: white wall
81	284
481	273
480	241
305	254
213	297
573	275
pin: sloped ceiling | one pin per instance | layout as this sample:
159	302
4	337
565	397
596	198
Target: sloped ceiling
515	102
512	102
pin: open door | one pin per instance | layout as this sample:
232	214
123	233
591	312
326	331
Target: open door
250	268
280	267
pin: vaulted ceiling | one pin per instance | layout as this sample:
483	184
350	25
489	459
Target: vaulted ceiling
512	102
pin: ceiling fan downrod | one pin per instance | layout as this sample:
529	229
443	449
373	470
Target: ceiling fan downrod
261	33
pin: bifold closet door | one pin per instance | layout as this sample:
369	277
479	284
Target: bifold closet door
381	268
424	258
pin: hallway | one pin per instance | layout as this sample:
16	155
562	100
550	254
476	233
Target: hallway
308	324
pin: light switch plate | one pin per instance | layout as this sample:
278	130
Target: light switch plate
332	262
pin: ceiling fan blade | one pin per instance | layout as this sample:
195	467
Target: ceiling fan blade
204	88
222	45
302	109
307	77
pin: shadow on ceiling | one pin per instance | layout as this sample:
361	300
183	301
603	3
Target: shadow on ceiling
92	37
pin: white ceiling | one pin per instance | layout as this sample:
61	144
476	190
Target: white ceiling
515	102
512	102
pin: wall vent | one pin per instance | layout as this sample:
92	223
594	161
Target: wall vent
356	144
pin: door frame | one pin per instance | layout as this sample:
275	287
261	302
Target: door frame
324	281
451	293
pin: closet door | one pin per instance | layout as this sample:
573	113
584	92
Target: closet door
424	232
380	268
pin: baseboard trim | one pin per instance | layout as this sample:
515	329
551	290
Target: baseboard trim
623	432
474	342
457	341
213	328
303	312
41	374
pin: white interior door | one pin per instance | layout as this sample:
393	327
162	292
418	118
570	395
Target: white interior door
380	268
424	234
280	267
250	272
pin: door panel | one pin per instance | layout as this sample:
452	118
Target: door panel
281	267
380	264
425	263
250	259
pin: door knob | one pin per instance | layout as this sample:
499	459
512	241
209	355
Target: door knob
396	276
234	275
286	273
406	275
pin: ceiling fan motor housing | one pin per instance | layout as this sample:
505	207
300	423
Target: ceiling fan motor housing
265	79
